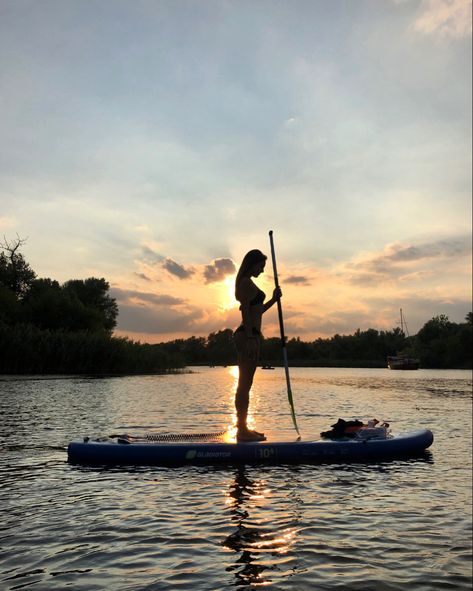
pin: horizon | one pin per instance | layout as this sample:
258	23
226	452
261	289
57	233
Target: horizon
329	337
162	141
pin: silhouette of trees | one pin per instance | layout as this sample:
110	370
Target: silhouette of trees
46	327
439	344
15	273
78	304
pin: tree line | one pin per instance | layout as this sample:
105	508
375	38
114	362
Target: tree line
47	327
440	344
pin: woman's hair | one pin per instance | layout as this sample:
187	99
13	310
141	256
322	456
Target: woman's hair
251	258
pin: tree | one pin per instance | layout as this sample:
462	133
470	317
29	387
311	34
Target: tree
436	328
10	307
48	306
444	344
220	347
93	294
15	273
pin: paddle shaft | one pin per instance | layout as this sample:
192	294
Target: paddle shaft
283	337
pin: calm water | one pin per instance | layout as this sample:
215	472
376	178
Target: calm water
402	525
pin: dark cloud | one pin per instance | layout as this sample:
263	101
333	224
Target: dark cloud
151	256
177	270
124	295
218	270
392	264
442	248
297	280
143	276
156	321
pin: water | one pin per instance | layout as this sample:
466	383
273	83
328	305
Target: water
400	525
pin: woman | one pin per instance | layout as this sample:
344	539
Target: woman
247	336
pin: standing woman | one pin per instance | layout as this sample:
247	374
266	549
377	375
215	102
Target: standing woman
248	336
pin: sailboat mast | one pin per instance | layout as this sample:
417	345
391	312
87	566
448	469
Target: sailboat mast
403	324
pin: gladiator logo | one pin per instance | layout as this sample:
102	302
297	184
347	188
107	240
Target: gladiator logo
190	455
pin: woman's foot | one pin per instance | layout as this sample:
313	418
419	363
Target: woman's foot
249	435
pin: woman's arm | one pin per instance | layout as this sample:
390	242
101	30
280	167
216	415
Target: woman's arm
277	293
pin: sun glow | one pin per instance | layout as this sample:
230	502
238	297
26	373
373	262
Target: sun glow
227	295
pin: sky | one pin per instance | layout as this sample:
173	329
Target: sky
153	143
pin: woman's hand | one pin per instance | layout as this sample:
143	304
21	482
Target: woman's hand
277	295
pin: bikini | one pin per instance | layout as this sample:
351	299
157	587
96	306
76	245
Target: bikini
256	301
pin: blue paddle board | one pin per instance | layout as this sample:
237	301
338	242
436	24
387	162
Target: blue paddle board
138	452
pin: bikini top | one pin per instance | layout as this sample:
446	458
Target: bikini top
258	299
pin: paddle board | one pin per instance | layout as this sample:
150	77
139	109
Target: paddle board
138	452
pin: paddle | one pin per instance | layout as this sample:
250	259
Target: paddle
283	338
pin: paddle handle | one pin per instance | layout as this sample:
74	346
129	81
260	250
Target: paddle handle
283	336
276	284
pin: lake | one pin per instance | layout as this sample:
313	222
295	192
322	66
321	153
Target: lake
398	525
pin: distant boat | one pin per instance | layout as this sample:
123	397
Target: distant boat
401	360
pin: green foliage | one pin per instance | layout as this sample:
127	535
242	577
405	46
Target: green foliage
26	349
51	307
10	307
15	273
220	348
449	345
78	305
92	293
443	344
46	327
367	348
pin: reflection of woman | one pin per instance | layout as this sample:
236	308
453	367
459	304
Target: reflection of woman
263	533
247	336
246	538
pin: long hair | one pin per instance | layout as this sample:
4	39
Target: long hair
251	258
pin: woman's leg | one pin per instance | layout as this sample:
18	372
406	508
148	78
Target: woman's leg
247	370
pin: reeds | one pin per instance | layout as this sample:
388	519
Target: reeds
26	349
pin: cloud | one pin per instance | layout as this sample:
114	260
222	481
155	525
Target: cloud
143	276
329	324
218	270
129	296
377	313
151	256
448	18
177	270
150	313
156	321
297	280
396	259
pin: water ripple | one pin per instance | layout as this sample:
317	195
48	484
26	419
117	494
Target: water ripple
392	526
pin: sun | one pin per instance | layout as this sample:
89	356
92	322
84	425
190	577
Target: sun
227	294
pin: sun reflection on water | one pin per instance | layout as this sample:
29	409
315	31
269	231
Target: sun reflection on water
264	544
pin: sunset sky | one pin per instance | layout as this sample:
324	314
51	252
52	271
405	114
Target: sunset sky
154	142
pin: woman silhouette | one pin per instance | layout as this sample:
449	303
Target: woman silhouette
248	336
